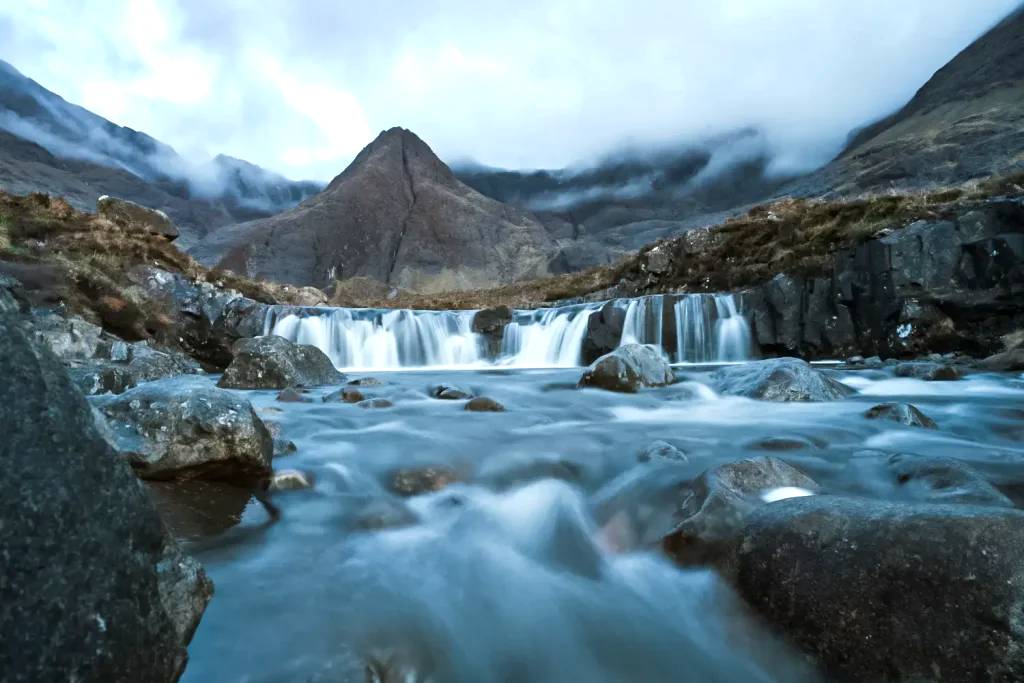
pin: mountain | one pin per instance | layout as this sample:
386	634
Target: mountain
398	215
966	122
600	212
50	145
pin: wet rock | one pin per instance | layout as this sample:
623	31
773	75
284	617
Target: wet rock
604	332
627	369
661	451
414	481
169	431
95	379
273	362
134	364
366	382
383	513
1008	361
714	506
889	591
903	413
346	395
69	338
449	392
943	480
506	473
483	404
282	446
490	323
93	588
292	395
929	372
371	403
782	443
289	480
13	297
131	215
147	364
779	379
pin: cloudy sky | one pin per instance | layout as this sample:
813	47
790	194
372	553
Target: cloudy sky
300	87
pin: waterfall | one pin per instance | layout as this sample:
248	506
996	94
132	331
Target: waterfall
708	328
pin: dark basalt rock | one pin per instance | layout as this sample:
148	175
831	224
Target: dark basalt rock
491	323
483	404
628	369
944	480
450	393
93	588
889	591
779	379
930	372
273	362
604	332
714	506
169	431
903	413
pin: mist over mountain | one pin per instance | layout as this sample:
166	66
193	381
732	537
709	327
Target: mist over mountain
51	145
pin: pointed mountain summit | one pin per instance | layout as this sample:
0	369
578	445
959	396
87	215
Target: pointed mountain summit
397	214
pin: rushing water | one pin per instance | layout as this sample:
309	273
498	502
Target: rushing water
541	567
707	328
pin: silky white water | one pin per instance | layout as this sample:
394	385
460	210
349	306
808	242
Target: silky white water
707	328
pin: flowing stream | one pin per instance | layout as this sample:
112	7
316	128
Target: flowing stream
705	328
542	565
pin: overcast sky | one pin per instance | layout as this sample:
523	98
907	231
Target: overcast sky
300	87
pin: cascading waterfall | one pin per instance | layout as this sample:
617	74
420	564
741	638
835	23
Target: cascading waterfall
708	328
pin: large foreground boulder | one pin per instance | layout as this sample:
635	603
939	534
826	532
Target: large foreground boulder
93	590
779	379
628	368
273	362
168	430
890	591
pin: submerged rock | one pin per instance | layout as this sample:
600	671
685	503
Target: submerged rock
292	395
346	395
375	403
289	480
779	379
944	480
627	369
929	372
93	588
661	451
168	431
414	481
273	362
714	506
483	404
449	392
903	413
890	591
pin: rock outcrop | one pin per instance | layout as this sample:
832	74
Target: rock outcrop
397	215
93	588
889	591
128	214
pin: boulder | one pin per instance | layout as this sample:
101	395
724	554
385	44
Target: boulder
289	480
1007	361
292	395
604	332
414	481
889	591
131	215
903	413
929	372
345	395
714	506
627	369
449	392
69	338
943	480
93	379
661	451
483	404
94	589
134	364
779	379
273	362
168	430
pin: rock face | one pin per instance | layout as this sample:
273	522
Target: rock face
93	588
131	215
397	215
941	285
168	431
896	592
628	369
779	379
713	507
273	362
